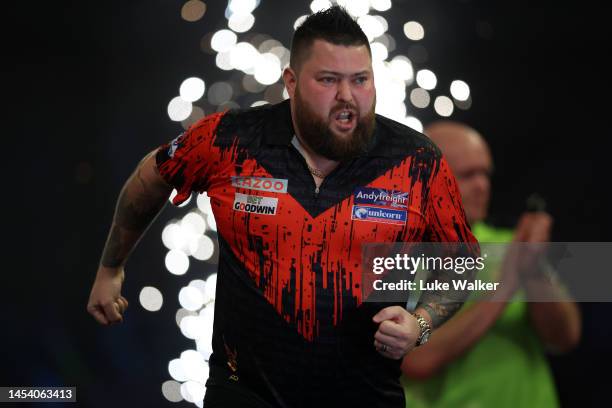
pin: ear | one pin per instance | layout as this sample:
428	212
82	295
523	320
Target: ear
290	80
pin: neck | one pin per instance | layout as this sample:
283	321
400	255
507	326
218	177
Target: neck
321	165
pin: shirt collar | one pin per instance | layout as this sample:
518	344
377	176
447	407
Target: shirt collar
279	128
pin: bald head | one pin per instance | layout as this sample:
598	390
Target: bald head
470	160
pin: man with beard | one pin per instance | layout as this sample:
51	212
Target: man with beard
296	189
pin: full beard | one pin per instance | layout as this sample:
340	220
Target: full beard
319	136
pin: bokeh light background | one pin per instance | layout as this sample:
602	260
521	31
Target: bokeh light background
91	88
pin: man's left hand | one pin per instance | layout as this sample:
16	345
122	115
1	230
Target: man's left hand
397	332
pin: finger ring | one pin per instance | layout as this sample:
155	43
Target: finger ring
383	348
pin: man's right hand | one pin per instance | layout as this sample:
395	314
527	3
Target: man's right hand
142	197
106	304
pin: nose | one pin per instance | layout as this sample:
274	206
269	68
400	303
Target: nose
344	93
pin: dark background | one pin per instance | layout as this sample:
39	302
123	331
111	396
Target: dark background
85	90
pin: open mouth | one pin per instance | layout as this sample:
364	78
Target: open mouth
345	118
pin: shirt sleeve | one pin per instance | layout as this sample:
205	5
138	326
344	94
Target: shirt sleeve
445	215
446	223
186	162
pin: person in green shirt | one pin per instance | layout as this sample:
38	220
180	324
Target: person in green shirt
491	354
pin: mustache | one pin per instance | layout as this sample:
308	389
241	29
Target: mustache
345	106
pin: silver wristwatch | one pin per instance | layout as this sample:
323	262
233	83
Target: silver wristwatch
425	330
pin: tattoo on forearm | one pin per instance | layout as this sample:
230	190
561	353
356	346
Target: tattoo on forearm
441	312
137	207
442	305
117	249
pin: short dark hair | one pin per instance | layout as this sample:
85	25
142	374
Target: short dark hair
334	25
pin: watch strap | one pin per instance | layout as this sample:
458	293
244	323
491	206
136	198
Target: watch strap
425	329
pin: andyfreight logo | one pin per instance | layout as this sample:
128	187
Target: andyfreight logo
255	204
377	214
380	197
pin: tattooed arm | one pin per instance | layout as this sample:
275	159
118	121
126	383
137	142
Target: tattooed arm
446	224
141	199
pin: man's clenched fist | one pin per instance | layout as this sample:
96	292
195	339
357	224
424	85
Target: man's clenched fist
106	304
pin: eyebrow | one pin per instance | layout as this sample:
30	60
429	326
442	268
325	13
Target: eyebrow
364	72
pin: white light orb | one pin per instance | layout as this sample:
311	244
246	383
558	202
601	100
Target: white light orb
267	69
204	248
371	26
170	234
191	298
192	327
177	262
443	106
179	109
460	90
426	79
194	223
414	31
175	368
419	98
356	8
192	89
150	298
401	68
241	22
379	51
171	390
243	56
223	60
193	391
223	40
